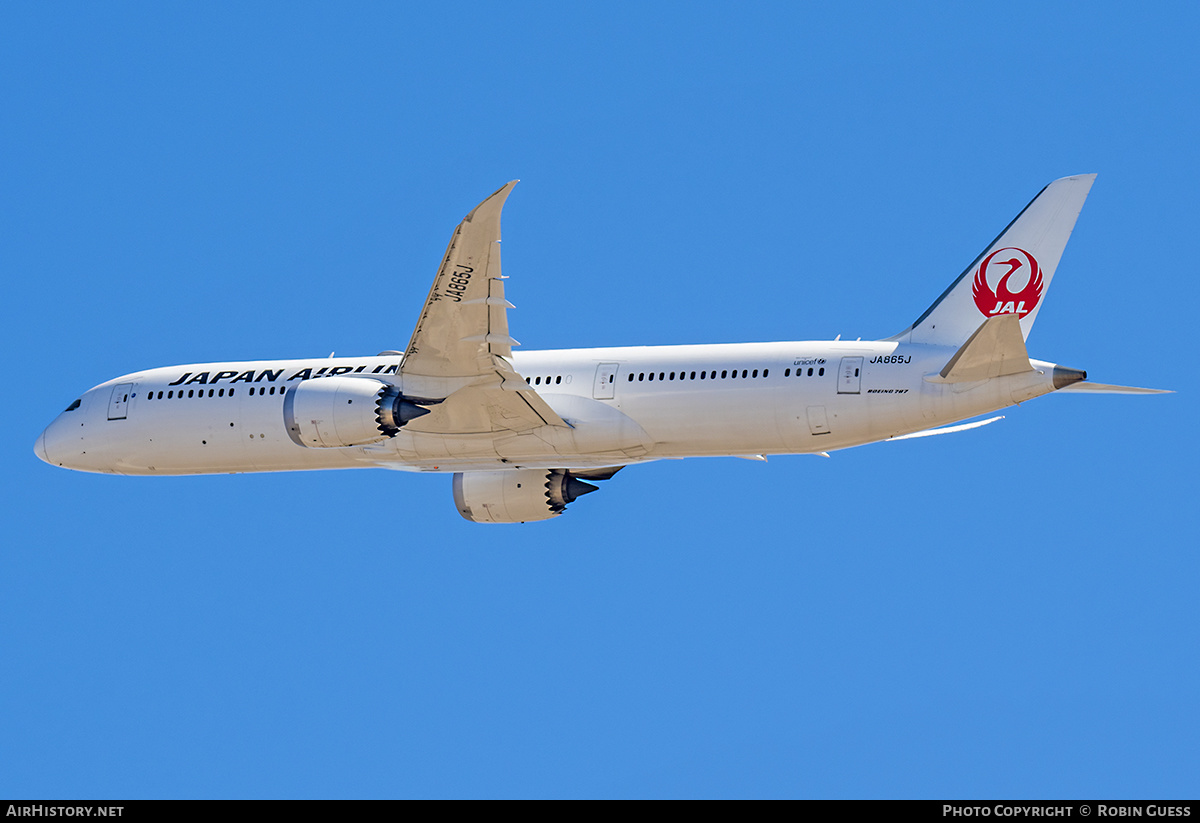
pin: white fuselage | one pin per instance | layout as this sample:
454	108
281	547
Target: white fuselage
625	405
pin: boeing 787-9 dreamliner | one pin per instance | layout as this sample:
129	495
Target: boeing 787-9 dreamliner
526	433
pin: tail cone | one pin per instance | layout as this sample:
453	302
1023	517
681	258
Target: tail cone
1064	377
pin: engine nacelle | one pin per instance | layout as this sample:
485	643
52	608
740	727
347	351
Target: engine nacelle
517	496
336	412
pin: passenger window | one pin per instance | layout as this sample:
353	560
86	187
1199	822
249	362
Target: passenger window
722	374
755	373
820	373
787	372
170	394
641	375
743	372
660	375
190	391
651	377
211	392
693	377
764	372
221	393
558	379
631	377
810	371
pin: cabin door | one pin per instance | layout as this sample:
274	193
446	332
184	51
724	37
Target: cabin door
119	403
850	375
606	379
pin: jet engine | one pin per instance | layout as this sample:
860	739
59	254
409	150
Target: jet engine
336	412
518	496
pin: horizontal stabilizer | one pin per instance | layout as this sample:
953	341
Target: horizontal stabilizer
996	349
948	429
1102	388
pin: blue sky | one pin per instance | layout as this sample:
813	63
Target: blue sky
1006	612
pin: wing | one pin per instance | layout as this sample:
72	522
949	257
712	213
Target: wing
460	347
465	321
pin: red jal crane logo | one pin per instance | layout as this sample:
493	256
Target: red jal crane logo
1000	267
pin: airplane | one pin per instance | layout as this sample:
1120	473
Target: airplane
526	433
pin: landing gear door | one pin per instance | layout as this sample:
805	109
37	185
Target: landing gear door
606	378
850	375
119	403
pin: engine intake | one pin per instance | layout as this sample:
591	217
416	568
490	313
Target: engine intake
517	496
337	412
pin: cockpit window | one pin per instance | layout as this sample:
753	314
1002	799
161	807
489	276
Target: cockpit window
74	405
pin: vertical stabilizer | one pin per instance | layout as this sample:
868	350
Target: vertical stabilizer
1013	273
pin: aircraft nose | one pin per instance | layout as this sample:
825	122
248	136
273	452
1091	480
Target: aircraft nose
39	448
52	445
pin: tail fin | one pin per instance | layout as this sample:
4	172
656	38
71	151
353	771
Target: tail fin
1013	273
